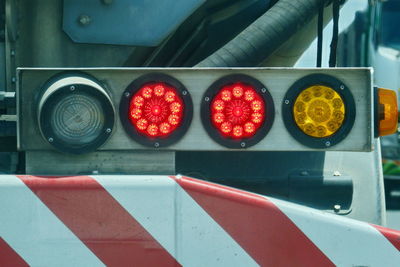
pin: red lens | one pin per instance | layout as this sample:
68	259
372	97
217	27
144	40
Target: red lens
156	110
237	111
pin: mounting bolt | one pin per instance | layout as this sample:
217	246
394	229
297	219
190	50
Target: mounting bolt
108	130
342	87
184	92
287	102
84	20
336	173
207	99
243	144
50	140
328	143
156	144
72	88
336	208
127	94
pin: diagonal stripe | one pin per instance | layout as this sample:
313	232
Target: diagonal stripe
8	257
183	228
34	232
392	235
102	224
345	241
257	225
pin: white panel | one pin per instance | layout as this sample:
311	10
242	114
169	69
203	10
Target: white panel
344	241
34	232
175	220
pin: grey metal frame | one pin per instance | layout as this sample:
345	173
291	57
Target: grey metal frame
277	81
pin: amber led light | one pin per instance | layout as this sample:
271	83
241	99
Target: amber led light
388	112
319	111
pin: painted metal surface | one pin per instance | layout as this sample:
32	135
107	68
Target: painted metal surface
174	221
125	22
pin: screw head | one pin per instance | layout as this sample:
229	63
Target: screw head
127	94
336	173
342	87
108	130
184	92
287	102
264	90
207	99
50	140
72	88
84	20
336	208
243	144
327	143
156	144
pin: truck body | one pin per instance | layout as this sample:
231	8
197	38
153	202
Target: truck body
110	106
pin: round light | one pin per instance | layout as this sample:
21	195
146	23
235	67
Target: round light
319	111
75	114
158	101
237	111
156	110
77	119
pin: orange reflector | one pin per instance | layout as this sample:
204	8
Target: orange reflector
388	113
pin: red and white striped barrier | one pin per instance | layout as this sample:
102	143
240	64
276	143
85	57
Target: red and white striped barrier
174	221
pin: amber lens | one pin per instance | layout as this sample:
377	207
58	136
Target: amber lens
388	115
319	111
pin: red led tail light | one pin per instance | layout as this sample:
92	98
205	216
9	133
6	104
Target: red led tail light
237	111
156	110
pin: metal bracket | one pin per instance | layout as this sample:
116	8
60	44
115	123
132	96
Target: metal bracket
125	22
7	100
323	191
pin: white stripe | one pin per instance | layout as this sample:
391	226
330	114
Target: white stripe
176	221
346	242
34	232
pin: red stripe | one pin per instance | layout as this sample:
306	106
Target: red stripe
97	219
264	231
392	235
8	257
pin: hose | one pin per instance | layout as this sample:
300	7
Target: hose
259	40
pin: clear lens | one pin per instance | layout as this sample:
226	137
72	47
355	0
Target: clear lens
77	119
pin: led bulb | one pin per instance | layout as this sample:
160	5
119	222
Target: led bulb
319	111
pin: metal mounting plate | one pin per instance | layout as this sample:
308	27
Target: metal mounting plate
277	80
125	22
